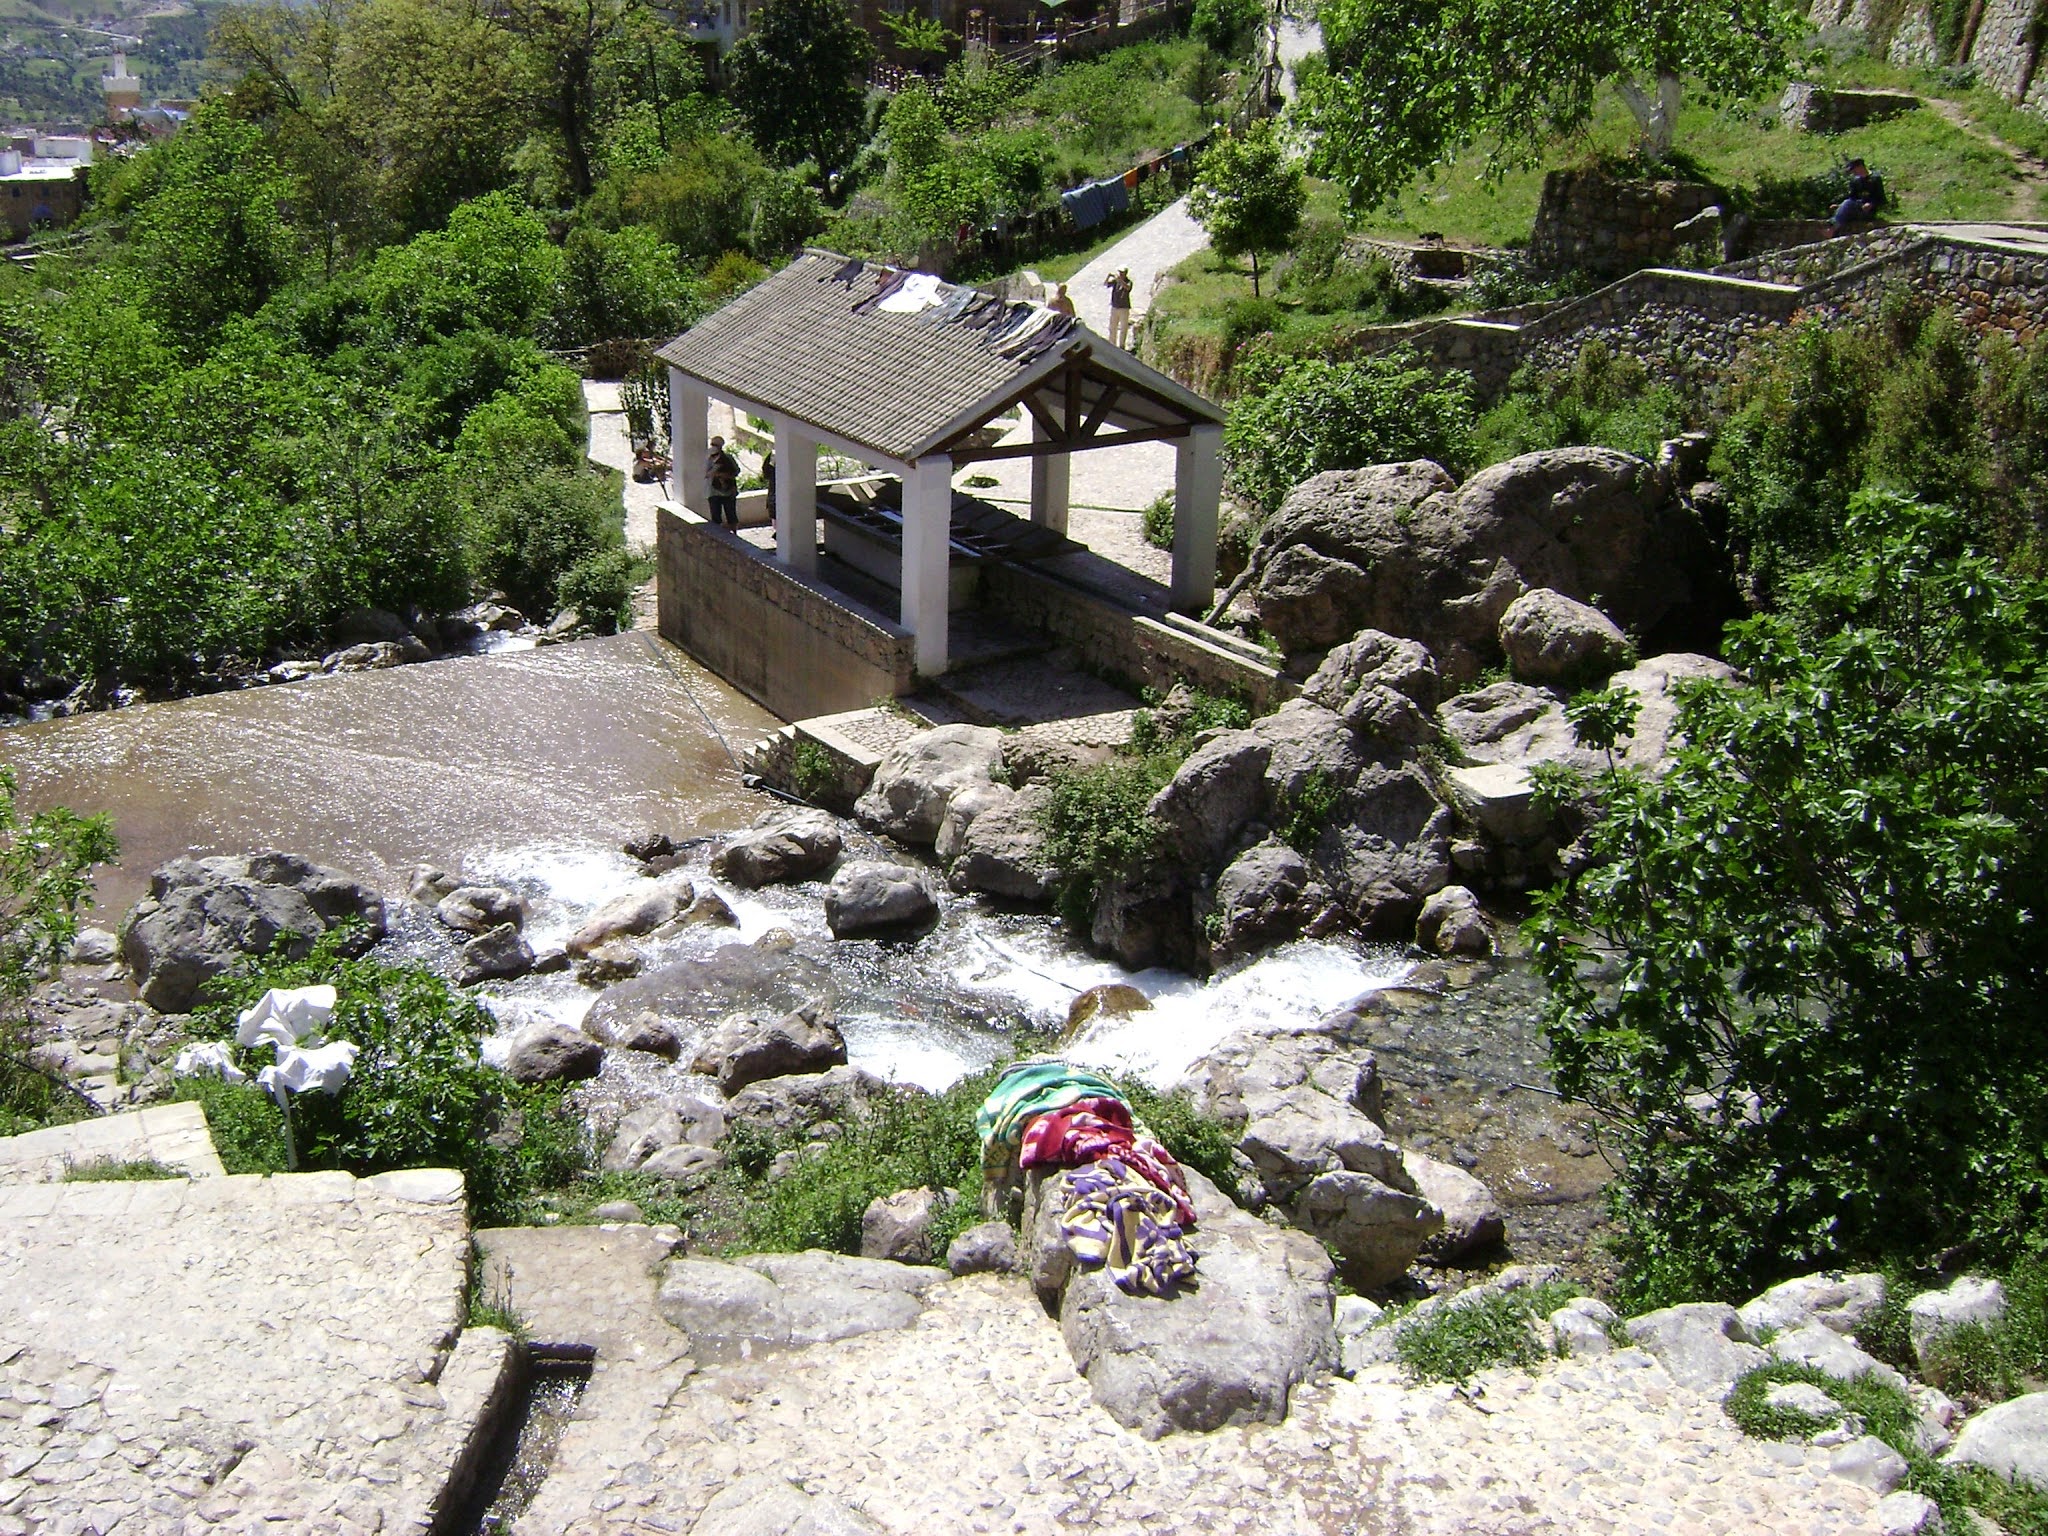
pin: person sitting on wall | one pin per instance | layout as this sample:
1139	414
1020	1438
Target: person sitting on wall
1866	197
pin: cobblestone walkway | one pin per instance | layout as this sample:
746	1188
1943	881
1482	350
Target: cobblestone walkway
236	1354
974	1420
172	1134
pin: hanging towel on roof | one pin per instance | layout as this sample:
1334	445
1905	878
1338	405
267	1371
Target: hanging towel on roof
1116	1219
1028	1089
1179	154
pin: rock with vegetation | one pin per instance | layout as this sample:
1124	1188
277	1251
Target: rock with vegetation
1373	1229
781	845
1382	686
873	897
1581	1326
919	776
1551	638
746	1051
1225	1350
641	1133
613	960
1969	1300
553	1053
798	1105
203	916
479	908
1824	1350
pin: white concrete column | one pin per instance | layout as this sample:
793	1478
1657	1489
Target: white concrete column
689	443
927	536
1050	478
1197	491
796	497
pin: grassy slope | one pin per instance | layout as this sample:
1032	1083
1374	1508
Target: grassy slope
1932	169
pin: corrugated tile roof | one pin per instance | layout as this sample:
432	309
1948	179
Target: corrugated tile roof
815	342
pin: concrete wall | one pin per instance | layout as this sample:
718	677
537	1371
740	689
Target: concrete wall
796	646
1111	640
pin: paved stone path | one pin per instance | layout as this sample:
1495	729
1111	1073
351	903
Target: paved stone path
236	1352
974	1420
172	1134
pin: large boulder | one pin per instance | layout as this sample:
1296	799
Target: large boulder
1517	725
1227	1348
2010	1439
1551	638
1375	1230
1452	924
785	1107
1397	548
1472	1220
919	776
550	1053
870	896
1001	851
633	914
1264	894
746	1051
900	1226
672	1008
499	954
202	916
1701	1343
641	1133
1841	1302
1968	1299
480	908
781	845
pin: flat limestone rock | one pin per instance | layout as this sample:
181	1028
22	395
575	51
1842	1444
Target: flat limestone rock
765	1505
2010	1439
1224	1349
788	1300
1700	1343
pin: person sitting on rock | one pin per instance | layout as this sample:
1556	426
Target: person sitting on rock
1866	197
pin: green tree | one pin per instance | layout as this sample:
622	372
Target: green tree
1803	981
1296	417
1249	196
800	81
1228	26
919	38
210	240
1411	83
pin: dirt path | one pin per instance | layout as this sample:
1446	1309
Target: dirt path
2031	201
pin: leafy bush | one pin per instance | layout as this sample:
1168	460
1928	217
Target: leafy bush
1602	401
1297	417
1098	828
1159	521
1456	1341
1308	811
1884	1408
419	1096
534	532
1228	26
600	588
1798	983
1909	404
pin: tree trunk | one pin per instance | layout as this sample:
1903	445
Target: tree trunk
1656	114
1255	274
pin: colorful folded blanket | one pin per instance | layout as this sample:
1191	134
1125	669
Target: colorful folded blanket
1089	1130
1026	1090
1116	1218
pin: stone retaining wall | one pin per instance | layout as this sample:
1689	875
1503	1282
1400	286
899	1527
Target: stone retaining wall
2006	49
1993	289
1120	644
795	646
1590	222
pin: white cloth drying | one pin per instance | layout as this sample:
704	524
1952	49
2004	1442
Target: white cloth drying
285	1016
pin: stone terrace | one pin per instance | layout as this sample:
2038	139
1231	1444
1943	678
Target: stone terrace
239	1352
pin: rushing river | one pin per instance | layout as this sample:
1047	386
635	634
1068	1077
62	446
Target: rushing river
529	768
